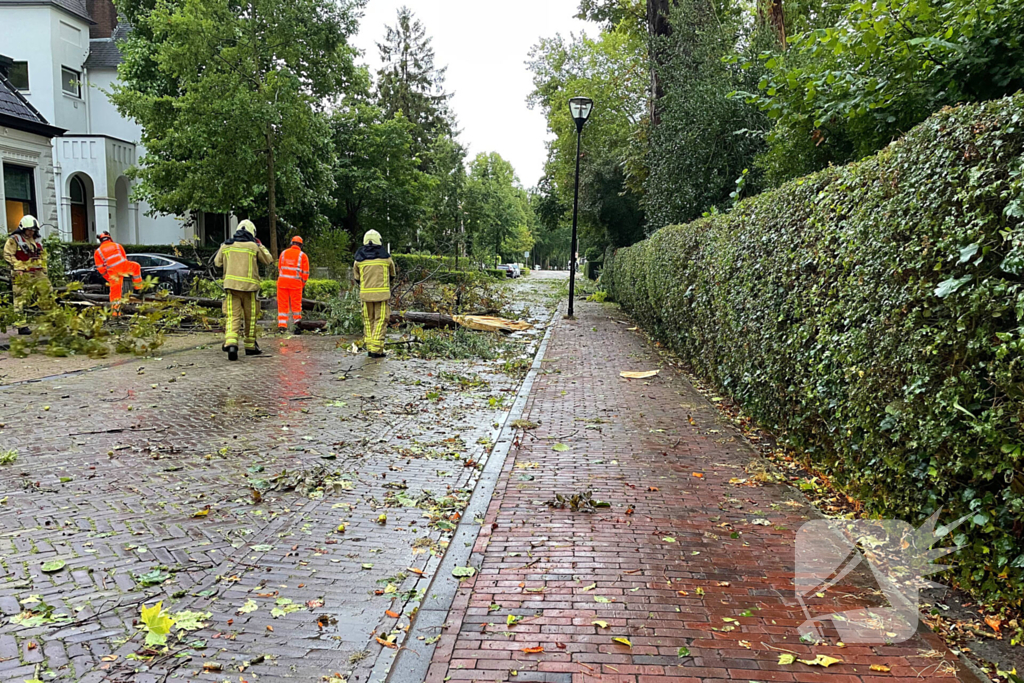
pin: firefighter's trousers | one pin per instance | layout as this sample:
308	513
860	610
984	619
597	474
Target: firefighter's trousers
375	325
22	283
241	310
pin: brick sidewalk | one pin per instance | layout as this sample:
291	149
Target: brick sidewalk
667	576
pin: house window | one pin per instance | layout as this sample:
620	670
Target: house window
19	189
70	82
19	75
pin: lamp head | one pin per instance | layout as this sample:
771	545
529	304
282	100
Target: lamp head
581	108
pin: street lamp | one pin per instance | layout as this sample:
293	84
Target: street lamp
580	108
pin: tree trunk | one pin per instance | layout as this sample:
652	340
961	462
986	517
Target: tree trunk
658	28
776	18
272	192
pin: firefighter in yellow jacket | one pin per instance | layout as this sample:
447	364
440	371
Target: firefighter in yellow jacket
24	253
374	272
240	257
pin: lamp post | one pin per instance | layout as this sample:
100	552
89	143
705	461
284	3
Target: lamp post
580	108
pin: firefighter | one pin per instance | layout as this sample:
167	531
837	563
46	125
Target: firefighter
114	266
24	253
240	257
293	271
374	271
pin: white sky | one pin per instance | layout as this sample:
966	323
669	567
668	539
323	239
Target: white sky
485	44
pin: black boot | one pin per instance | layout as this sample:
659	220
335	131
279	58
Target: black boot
256	351
232	352
24	330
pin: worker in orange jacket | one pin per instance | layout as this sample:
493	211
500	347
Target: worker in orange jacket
293	271
114	266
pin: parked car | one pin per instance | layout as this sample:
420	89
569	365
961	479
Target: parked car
174	274
511	270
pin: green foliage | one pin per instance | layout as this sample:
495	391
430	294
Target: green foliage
409	84
873	315
612	70
851	83
497	209
462	344
330	249
8	457
318	290
78	255
379	184
55	260
344	315
230	98
703	138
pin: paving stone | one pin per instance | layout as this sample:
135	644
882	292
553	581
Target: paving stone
662	558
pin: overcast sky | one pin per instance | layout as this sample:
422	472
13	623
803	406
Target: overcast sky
485	44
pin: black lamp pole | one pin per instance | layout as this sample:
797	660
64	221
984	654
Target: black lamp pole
580	108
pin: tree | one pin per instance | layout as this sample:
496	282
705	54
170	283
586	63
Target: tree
230	98
409	82
444	229
853	80
378	182
612	70
552	230
495	206
703	138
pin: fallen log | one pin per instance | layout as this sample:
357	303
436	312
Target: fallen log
437	320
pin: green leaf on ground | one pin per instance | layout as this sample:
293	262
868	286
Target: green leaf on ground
53	566
560	447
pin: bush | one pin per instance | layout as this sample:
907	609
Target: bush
318	290
872	315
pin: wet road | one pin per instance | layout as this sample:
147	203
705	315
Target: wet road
291	502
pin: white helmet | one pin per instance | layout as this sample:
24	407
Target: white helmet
29	223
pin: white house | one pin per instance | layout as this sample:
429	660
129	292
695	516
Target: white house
27	185
65	58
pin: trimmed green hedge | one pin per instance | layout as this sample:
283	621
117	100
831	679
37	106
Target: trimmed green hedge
872	314
318	290
79	255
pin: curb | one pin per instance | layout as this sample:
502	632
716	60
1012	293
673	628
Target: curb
411	662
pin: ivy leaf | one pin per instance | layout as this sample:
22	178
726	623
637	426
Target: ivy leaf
950	286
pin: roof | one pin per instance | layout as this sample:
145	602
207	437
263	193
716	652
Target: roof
75	7
103	52
17	112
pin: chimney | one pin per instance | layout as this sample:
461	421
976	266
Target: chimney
104	14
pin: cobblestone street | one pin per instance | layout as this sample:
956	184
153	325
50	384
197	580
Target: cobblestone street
299	502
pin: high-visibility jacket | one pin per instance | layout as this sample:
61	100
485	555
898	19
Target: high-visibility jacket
374	277
293	268
23	254
110	259
240	261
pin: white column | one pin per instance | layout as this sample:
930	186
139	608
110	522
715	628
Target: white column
133	220
106	212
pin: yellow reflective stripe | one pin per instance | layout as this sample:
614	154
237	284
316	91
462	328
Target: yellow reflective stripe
241	279
375	290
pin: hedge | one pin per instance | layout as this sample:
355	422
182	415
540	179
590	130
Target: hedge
318	290
79	255
871	314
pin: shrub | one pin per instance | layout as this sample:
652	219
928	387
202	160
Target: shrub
318	290
872	315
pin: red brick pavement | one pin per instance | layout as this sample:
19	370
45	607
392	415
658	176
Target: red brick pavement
645	444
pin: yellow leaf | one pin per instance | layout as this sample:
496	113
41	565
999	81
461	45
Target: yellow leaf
821	660
623	641
786	659
639	376
600	624
201	513
745	643
880	667
156	621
